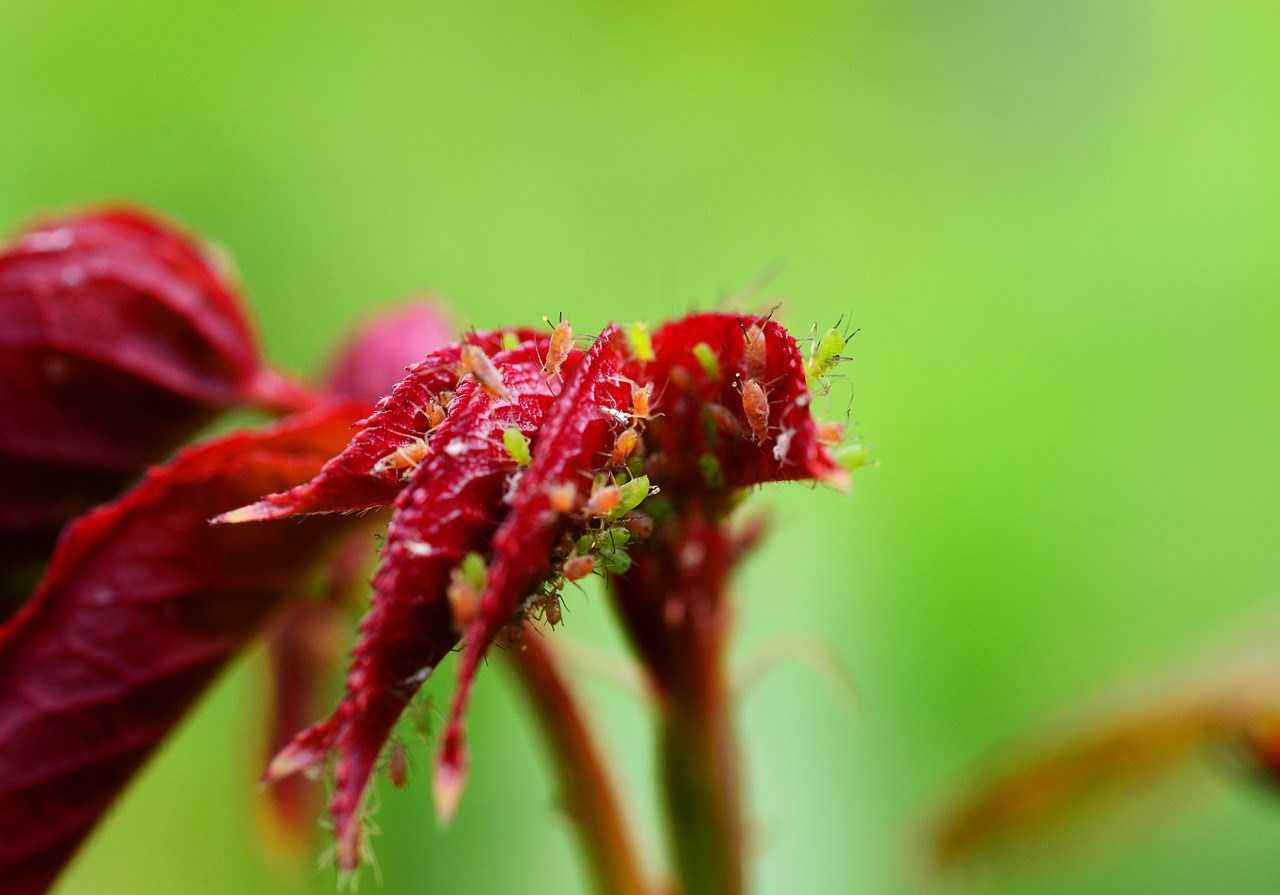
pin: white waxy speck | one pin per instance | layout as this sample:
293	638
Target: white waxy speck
420	548
782	446
617	414
456	448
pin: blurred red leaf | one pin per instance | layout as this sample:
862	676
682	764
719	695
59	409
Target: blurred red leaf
119	338
143	603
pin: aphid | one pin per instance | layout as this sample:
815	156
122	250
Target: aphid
640	396
398	765
406	457
577	567
631	495
563	497
830	433
638	525
510	341
477	363
551	608
624	446
466	586
754	352
604	500
558	350
615	561
825	354
756	406
708	360
641	342
517	446
726	421
711	469
853	457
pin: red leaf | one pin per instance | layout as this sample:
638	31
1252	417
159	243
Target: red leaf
143	603
354	480
690	427
451	507
574	443
119	338
385	347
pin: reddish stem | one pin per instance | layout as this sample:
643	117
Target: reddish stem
676	607
590	798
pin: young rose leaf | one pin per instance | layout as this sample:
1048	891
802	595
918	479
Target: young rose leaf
574	443
119	338
142	604
371	470
451	507
716	369
384	347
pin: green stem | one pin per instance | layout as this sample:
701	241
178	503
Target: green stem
589	796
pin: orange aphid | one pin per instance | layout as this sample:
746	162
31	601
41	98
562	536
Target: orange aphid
464	599
477	363
576	568
604	500
558	350
640	396
830	433
624	446
755	404
563	497
406	457
754	353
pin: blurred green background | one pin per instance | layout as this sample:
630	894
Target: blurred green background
1056	224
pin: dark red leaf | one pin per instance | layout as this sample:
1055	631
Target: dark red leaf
358	478
451	507
143	603
574	443
119	338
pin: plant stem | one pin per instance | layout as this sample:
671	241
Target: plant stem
590	798
675	604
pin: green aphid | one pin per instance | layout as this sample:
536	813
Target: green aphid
712	471
853	456
475	571
517	446
825	354
510	341
641	342
615	561
708	360
613	538
633	494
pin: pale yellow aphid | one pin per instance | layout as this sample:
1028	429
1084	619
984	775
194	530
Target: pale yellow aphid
475	362
559	348
406	457
641	342
466	587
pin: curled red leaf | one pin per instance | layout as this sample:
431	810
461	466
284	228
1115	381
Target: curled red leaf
574	443
451	507
370	471
143	603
